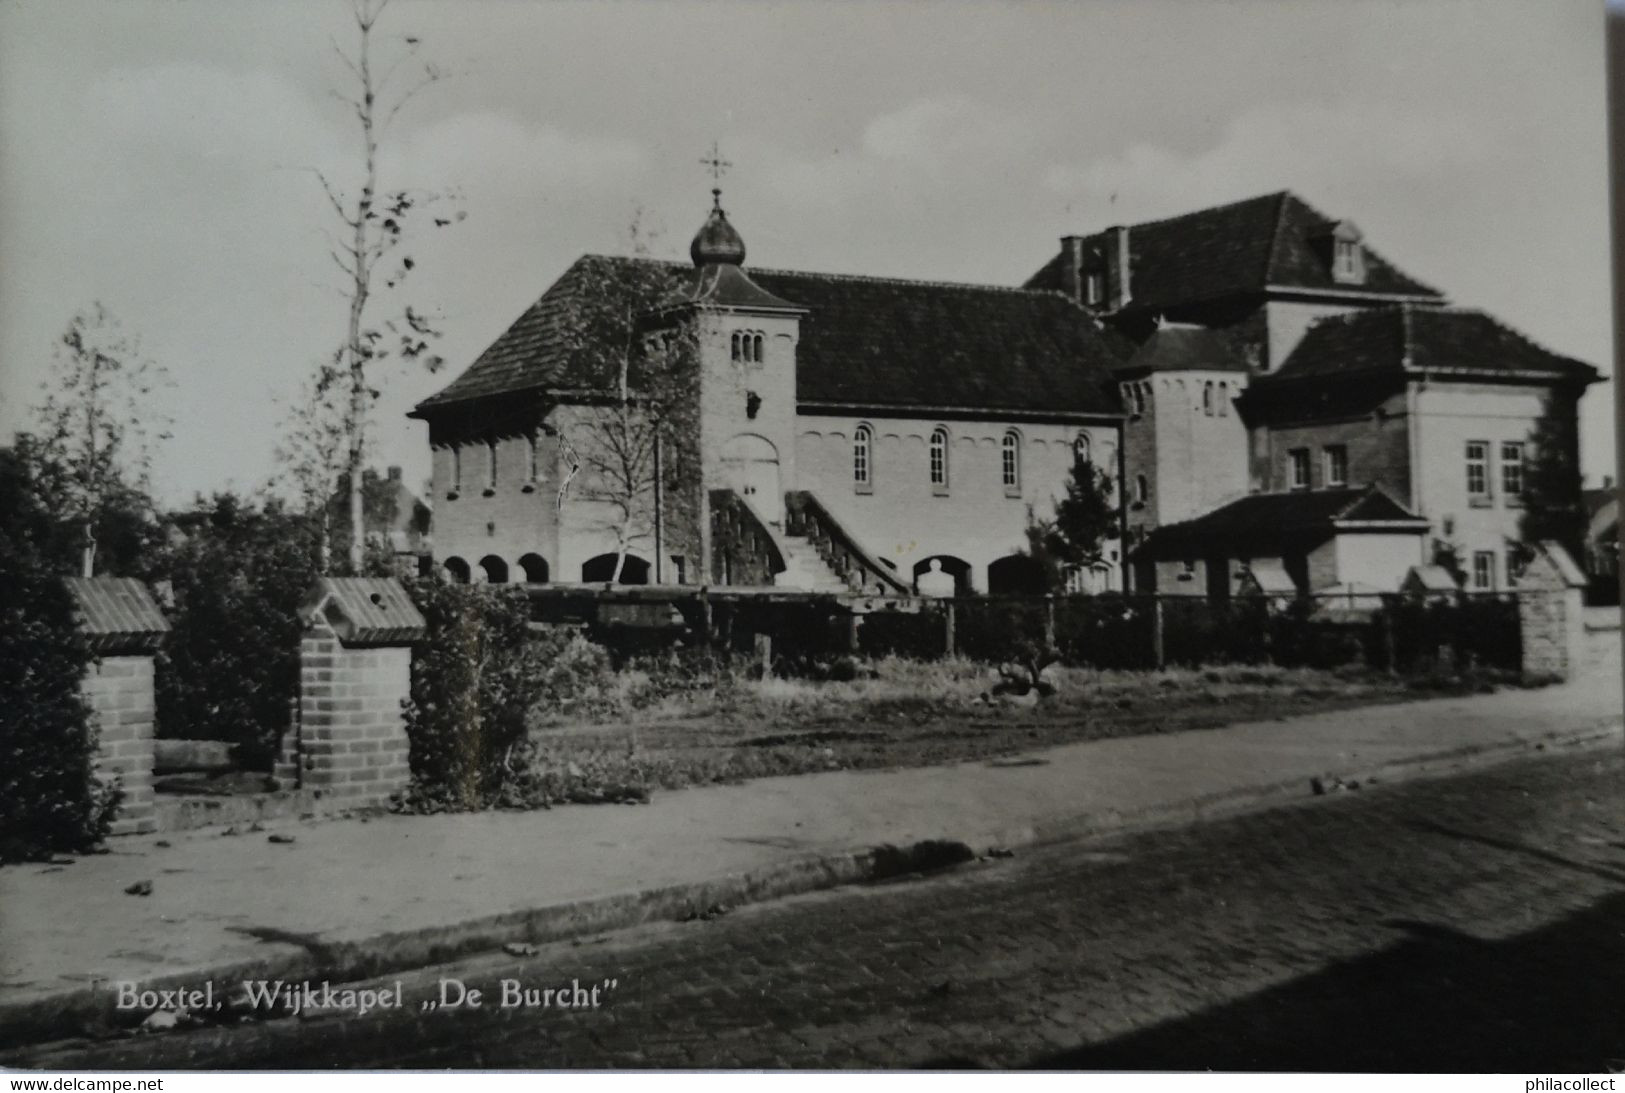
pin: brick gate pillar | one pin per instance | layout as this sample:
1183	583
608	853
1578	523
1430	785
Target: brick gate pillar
1551	613
355	672
123	626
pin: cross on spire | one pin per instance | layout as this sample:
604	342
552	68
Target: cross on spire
718	167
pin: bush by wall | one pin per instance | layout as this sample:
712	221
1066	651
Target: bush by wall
230	667
50	798
475	678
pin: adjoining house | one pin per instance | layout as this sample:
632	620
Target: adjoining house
1602	542
1279	355
906	429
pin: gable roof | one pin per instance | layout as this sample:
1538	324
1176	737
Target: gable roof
1262	521
1422	339
116	614
867	342
1235	249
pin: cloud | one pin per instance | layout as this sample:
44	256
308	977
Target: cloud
937	133
1316	147
466	148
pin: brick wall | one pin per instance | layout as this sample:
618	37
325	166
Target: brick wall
352	731
119	691
1551	617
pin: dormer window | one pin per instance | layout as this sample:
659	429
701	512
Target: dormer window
1348	256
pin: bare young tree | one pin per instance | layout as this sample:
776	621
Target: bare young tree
376	226
314	449
634	449
97	424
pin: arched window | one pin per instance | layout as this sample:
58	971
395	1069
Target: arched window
495	569
1224	400
1010	460
939	458
456	569
1080	448
862	457
1142	488
1207	398
532	458
490	465
756	348
738	346
535	567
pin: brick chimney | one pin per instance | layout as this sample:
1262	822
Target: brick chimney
1119	289
1072	266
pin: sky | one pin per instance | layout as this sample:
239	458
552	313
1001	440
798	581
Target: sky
156	155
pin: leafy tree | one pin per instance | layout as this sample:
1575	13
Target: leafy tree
376	223
1084	519
50	797
1553	505
91	454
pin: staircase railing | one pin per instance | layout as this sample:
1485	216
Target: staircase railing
743	549
805	515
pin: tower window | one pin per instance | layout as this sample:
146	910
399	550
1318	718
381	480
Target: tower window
1010	461
862	458
490	465
1207	398
1142	489
532	458
456	469
1140	391
1080	448
1224	400
747	346
939	459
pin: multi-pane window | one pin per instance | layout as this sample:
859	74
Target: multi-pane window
1010	460
1337	465
939	458
862	458
1484	570
1512	468
1298	461
1478	469
1346	263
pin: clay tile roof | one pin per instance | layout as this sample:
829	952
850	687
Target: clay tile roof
1390	339
865	341
1240	248
117	614
1261	522
366	610
1181	348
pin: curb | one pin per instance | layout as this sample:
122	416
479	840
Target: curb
89	1009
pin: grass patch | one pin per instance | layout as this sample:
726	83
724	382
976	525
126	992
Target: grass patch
718	726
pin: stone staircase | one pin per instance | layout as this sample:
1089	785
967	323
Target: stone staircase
804	568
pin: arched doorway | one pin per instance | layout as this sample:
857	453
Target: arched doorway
750	467
535	568
931	575
456	569
495	569
1016	575
601	570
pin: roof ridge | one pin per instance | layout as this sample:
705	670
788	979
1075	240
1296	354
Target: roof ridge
867	278
1276	194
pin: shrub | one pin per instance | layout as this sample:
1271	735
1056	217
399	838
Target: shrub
474	678
230	667
50	797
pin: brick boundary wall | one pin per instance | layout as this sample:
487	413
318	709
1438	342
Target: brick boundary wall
119	692
349	744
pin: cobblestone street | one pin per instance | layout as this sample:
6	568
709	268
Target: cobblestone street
1474	923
